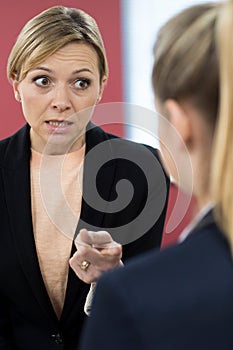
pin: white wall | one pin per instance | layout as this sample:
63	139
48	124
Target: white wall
141	21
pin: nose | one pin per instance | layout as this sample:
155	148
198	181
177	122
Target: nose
61	101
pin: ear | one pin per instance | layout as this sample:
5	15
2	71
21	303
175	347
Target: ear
15	85
179	118
102	87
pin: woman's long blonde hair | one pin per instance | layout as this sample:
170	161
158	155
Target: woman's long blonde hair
193	60
222	165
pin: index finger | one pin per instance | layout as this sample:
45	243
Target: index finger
96	239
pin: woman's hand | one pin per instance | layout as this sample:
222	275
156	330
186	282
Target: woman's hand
96	253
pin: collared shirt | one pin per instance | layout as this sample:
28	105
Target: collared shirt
188	229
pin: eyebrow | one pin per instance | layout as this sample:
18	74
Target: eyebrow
74	72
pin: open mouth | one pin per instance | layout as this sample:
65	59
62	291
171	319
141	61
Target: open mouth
59	124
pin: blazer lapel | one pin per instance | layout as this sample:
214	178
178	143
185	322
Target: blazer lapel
16	176
92	214
90	217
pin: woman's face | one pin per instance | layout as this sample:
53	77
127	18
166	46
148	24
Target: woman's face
54	92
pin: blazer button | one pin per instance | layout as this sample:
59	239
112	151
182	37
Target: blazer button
57	338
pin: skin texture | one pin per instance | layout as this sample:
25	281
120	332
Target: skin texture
60	87
98	249
57	99
186	139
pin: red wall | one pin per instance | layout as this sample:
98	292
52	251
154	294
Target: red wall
184	212
13	16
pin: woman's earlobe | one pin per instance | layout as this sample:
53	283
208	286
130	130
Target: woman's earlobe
16	91
17	97
98	99
102	87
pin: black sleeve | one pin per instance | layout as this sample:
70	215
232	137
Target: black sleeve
153	237
110	325
5	327
133	185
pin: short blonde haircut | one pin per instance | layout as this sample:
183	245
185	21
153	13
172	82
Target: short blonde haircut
49	31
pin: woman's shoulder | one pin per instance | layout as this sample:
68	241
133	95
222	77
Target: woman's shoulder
14	144
205	251
20	133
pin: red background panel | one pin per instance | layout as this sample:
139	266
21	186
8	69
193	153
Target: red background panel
14	14
172	237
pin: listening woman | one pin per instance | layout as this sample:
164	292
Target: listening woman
181	298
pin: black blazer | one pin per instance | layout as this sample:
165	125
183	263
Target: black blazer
27	318
178	299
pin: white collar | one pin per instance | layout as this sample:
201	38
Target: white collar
188	229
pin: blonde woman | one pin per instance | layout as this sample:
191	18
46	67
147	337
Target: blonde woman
181	298
58	69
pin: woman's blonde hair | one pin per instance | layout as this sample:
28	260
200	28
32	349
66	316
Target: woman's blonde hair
222	169
193	61
49	31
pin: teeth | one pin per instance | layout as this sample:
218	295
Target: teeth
58	124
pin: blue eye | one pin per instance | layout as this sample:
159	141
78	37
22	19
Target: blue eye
41	81
82	84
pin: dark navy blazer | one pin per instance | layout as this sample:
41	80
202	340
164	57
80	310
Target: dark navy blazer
178	299
27	318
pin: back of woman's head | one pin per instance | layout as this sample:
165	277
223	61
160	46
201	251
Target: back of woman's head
193	62
48	32
185	59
